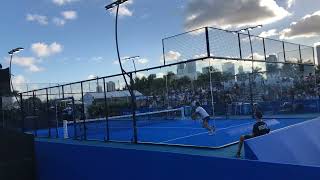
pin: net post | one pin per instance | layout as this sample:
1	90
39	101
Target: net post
106	111
183	117
207	41
133	102
65	129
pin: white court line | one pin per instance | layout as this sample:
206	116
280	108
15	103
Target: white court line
206	132
185	137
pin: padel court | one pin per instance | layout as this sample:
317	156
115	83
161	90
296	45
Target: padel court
184	132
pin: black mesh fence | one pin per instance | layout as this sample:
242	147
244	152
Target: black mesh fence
242	73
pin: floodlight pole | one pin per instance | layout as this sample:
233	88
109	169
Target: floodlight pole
123	72
133	58
11	53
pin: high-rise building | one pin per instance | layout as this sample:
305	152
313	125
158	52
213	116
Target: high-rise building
228	68
271	67
111	86
99	89
189	69
180	69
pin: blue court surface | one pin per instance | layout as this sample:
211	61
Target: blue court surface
185	132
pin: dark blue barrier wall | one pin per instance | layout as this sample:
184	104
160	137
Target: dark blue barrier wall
296	144
56	161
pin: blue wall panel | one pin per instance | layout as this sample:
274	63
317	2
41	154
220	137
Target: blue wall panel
297	144
57	161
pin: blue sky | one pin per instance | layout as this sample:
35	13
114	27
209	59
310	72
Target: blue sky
69	40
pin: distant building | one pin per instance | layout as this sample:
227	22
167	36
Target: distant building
90	97
228	68
111	86
99	89
189	69
180	69
240	69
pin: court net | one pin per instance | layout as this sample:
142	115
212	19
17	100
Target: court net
99	125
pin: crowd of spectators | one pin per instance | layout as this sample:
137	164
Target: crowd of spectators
222	93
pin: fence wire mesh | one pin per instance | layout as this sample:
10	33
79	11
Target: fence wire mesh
242	73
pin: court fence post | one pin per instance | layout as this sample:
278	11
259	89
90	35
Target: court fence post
133	107
106	110
34	117
207	42
239	43
47	113
22	113
83	113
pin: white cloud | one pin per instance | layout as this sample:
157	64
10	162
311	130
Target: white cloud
269	33
19	79
308	26
18	82
69	15
232	13
143	61
27	62
200	55
290	3
45	50
123	9
256	56
91	76
171	56
140	75
42	20
63	2
58	21
160	75
98	59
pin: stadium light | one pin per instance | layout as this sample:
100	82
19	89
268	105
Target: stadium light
15	50
116	4
11	53
133	58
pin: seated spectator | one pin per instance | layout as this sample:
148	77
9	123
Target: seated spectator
259	128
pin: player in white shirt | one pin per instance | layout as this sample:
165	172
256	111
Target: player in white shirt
204	116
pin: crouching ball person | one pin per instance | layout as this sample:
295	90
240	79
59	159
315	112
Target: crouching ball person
259	128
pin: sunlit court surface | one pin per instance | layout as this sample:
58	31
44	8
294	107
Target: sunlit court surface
168	130
105	89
